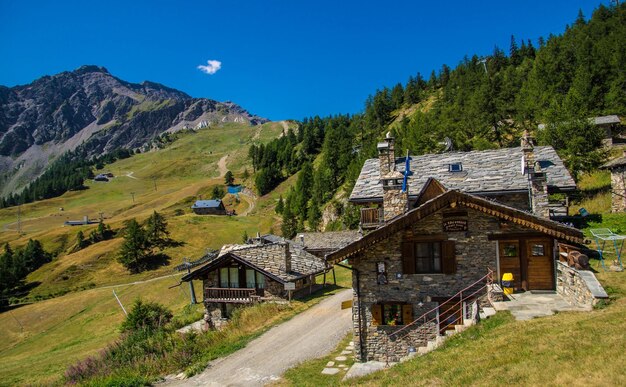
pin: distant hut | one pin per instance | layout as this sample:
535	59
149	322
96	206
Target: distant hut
209	207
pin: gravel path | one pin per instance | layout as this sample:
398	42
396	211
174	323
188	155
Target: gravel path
309	335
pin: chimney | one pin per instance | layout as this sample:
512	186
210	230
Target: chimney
287	257
395	201
386	155
301	236
86	219
537	182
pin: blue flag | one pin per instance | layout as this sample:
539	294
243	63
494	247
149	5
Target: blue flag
407	172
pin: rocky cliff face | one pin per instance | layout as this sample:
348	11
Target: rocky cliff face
91	107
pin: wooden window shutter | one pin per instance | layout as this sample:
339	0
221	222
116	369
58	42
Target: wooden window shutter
448	257
377	314
408	258
407	314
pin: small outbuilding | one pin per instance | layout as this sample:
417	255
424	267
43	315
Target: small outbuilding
246	274
209	207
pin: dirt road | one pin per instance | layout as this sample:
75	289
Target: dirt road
309	335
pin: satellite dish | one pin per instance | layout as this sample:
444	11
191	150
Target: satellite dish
447	143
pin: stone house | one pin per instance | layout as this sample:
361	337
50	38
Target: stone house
247	274
209	207
432	252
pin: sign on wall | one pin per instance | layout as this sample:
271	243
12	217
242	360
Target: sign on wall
452	225
290	286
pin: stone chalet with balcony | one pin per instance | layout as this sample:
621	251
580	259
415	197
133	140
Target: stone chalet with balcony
252	273
431	254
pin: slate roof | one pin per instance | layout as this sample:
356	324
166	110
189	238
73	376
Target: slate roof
332	240
207	203
603	120
489	171
269	259
618	162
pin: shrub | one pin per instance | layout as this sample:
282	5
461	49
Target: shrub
146	315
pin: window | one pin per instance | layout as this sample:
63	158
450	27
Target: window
250	282
392	314
229	277
455	167
428	257
260	280
509	249
538	250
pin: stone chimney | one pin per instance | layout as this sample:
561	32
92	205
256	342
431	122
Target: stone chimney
395	202
537	181
287	257
386	155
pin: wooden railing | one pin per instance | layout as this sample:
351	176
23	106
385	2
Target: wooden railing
231	295
371	217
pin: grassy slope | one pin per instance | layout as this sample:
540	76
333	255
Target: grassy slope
565	349
59	331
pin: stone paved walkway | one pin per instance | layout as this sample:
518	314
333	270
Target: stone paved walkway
528	305
334	367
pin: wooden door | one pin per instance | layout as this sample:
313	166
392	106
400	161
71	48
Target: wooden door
510	261
540	269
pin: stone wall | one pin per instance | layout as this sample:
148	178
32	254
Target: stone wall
474	255
578	287
618	189
395	202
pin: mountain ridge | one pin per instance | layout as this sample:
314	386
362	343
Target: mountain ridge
91	107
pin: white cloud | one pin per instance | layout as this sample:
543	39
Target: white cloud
211	67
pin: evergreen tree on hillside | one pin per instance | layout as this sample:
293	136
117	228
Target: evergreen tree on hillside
229	179
135	251
157	233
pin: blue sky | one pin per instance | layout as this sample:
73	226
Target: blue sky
279	59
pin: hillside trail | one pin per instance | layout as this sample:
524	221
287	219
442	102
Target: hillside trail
309	335
221	166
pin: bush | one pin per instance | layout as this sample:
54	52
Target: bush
146	315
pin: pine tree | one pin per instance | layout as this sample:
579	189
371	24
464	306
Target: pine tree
80	240
289	227
229	179
280	206
135	250
156	231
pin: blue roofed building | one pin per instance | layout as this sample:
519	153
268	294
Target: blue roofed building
209	207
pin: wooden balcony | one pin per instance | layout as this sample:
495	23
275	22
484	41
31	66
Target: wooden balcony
232	295
371	217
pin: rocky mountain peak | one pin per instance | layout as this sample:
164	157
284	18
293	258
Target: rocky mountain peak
90	107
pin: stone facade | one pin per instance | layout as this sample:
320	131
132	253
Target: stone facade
578	287
474	254
618	189
273	291
395	202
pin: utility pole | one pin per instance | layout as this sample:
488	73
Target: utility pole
193	293
133	195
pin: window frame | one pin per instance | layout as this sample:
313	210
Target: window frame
455	167
430	259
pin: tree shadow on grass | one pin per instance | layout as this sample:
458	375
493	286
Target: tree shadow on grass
157	261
